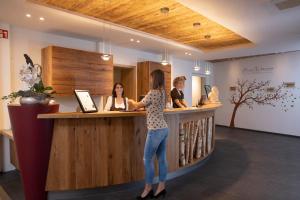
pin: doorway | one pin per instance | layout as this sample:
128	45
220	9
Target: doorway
198	90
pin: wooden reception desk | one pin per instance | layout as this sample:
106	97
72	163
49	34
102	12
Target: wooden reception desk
104	149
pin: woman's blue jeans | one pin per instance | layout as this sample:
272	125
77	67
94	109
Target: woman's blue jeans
156	144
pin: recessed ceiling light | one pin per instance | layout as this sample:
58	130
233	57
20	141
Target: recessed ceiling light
197	25
186	53
28	15
190	54
207	36
131	40
42	19
138	41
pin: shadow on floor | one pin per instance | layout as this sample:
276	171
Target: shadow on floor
223	169
227	164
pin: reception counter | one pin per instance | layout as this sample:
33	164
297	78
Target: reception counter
106	148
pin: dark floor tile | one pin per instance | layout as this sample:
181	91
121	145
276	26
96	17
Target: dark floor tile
246	165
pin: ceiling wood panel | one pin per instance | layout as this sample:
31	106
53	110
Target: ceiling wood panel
144	15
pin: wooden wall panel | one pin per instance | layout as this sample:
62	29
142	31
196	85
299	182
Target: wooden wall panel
140	134
116	149
126	143
47	66
128	78
143	84
101	155
84	152
167	72
68	69
143	79
173	142
61	170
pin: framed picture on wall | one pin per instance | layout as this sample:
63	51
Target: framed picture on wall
85	101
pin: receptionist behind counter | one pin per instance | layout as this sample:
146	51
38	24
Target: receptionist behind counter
177	93
118	101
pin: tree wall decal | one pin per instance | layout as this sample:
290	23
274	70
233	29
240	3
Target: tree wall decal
248	93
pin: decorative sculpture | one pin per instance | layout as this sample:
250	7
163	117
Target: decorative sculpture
213	96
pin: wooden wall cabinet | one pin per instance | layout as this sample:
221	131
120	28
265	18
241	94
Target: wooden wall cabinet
69	69
144	70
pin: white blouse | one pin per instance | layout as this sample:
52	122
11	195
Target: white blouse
109	104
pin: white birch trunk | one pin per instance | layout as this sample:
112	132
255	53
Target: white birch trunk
209	139
187	142
204	137
199	140
181	145
192	141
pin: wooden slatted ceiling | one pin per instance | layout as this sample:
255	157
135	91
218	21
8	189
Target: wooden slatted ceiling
145	15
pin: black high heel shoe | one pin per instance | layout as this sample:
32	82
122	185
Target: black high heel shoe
162	194
150	195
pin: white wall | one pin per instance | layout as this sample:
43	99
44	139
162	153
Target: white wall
5	86
265	118
31	42
186	68
196	89
183	68
128	56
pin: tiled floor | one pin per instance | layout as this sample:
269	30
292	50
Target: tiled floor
246	165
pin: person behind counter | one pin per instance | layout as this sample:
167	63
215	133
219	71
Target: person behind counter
118	101
157	135
177	94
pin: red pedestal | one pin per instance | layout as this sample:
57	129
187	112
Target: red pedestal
33	139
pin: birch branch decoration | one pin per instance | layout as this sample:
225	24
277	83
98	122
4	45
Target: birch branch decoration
182	144
195	140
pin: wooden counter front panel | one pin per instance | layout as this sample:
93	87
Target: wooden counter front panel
97	152
89	153
68	69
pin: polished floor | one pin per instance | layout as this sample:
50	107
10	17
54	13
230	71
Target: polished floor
246	165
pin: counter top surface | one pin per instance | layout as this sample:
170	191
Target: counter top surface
61	115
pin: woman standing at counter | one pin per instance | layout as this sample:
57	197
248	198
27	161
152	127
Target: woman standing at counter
117	101
177	94
157	135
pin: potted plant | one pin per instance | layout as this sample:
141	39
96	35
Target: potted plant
37	92
32	136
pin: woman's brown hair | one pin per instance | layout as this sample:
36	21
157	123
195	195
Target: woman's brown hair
114	94
158	83
158	79
178	79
